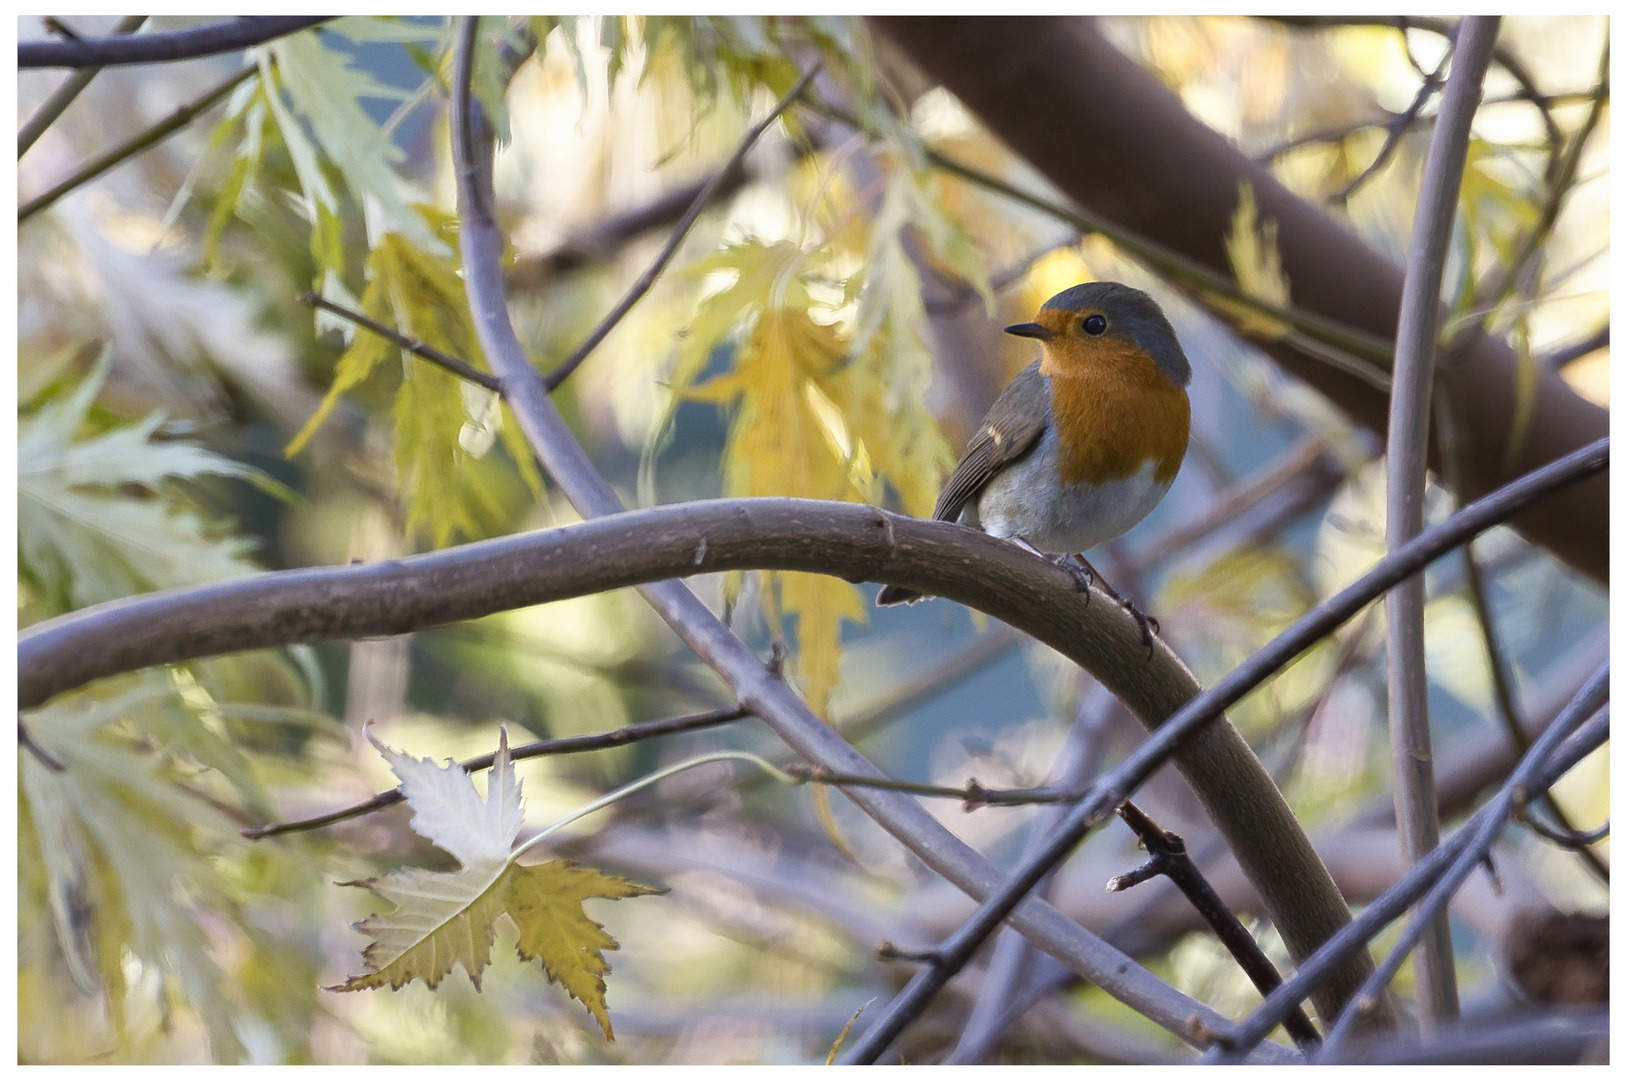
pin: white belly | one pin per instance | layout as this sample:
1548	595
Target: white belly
1028	500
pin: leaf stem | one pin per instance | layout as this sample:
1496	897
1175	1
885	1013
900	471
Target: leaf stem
644	782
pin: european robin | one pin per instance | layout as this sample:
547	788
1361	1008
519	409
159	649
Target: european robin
1086	440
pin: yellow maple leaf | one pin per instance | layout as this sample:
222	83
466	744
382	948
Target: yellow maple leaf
442	920
545	902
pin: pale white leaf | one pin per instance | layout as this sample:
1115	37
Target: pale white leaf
449	812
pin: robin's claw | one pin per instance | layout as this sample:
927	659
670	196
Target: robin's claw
1083	575
1148	624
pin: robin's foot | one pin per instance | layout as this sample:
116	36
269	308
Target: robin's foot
1148	624
1084	575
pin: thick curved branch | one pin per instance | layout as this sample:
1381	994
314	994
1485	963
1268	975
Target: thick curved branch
1135	156
161	48
482	246
855	542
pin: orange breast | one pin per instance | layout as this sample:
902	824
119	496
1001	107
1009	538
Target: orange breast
1114	411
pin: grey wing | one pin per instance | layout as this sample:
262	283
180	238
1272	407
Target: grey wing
1011	428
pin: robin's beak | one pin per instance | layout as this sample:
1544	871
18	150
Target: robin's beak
1031	329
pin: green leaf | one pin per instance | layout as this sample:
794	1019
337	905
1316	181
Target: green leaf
117	839
100	518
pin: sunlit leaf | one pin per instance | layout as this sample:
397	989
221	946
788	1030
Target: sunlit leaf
443	485
1256	261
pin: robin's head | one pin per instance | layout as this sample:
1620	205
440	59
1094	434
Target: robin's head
1087	323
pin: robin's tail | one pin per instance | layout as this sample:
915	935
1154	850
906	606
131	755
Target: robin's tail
892	594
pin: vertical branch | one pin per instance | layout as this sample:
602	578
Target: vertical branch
1404	501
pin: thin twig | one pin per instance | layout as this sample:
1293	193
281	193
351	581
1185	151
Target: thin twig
461	368
1339	134
1406	460
1502	56
1588	738
1397	129
554	378
54	25
1454	454
64	95
1542	1038
220	37
999	281
573	745
1566	837
1563	179
1167	857
26	741
154	135
1122	781
973	794
997	998
1395	900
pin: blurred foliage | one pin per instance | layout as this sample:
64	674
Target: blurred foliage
811	339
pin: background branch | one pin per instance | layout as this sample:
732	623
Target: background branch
146	140
64	95
1137	158
239	33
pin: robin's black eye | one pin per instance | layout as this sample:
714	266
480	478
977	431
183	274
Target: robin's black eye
1095	325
